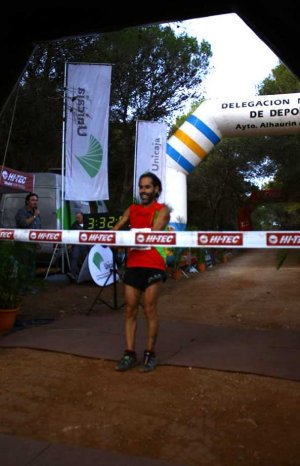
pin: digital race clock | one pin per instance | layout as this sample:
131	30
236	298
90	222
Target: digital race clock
100	221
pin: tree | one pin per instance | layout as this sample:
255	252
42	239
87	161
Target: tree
36	137
284	151
218	186
224	180
280	81
154	73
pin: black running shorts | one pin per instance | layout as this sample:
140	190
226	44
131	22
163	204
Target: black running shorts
142	277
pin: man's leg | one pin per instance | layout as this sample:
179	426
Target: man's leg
150	311
132	298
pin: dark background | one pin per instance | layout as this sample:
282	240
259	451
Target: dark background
22	28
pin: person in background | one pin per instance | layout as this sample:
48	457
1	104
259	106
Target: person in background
77	252
29	217
78	224
145	270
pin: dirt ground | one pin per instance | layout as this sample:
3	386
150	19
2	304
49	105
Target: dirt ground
183	415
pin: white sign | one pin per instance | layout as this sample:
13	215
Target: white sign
101	265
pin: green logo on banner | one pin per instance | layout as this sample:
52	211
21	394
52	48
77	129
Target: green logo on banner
97	259
92	160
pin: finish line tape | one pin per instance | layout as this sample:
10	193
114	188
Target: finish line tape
174	239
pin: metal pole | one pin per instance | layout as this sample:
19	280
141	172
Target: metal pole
63	165
134	196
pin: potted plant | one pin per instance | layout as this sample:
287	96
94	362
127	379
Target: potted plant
13	278
200	254
222	255
173	262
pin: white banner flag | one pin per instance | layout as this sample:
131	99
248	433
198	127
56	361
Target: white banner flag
86	138
150	153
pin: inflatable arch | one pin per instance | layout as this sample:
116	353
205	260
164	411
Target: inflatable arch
266	115
262	115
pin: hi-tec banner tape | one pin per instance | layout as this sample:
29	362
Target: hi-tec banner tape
180	239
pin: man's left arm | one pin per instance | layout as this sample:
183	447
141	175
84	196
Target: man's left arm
162	219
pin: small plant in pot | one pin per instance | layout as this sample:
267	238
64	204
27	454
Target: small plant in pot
13	279
222	255
200	254
173	261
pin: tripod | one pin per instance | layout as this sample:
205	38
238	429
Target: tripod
113	273
63	252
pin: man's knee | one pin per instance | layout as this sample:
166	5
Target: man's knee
150	311
131	312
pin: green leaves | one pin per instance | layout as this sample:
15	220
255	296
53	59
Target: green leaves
13	273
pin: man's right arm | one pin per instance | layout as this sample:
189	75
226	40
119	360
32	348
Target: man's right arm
123	222
22	219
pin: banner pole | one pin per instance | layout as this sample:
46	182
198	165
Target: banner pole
63	162
134	194
63	147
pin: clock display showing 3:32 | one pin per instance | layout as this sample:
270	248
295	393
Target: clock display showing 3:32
103	221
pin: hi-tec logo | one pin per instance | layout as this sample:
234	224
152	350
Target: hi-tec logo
40	235
14	177
215	239
7	234
283	239
155	238
92	237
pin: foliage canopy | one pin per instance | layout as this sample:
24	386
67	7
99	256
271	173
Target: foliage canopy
154	73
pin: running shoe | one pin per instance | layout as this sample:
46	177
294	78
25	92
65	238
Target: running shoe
149	362
128	361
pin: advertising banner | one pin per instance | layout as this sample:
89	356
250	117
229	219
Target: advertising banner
15	181
86	132
150	153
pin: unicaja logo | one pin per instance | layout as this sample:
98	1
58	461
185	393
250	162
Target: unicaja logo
92	160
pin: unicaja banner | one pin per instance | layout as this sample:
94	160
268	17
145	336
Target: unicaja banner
86	131
150	153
